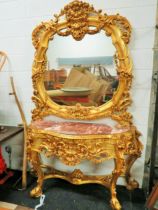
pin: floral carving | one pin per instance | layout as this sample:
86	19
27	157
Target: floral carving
77	14
72	151
78	111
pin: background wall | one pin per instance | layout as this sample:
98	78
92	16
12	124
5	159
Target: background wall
19	17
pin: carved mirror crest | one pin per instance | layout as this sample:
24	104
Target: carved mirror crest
79	22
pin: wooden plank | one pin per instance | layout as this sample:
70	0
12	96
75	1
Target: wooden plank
22	208
153	198
7	206
10	206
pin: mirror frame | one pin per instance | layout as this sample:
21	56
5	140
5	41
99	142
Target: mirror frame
80	19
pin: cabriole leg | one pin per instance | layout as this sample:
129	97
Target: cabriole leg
36	163
119	167
131	183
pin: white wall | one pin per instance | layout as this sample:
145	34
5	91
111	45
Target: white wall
19	17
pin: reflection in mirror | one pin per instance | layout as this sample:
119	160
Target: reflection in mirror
81	71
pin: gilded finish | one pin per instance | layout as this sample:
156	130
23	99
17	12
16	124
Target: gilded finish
124	148
73	149
82	19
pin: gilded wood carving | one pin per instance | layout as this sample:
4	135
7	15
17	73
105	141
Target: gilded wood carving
124	148
80	19
73	149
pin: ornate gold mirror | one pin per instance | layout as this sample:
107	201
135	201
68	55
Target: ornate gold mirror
82	69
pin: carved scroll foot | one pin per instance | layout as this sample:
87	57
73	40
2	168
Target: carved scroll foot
36	163
131	183
36	192
114	201
119	168
115	204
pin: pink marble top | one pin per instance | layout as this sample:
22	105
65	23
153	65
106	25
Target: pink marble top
76	128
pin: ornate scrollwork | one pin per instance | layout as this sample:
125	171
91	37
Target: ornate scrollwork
77	14
79	19
40	110
36	34
123	104
74	149
123	25
78	111
73	152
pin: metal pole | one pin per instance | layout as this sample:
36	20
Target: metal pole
154	140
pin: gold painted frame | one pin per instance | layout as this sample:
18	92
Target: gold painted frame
81	19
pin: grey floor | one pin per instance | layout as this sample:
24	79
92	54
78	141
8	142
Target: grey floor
61	195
